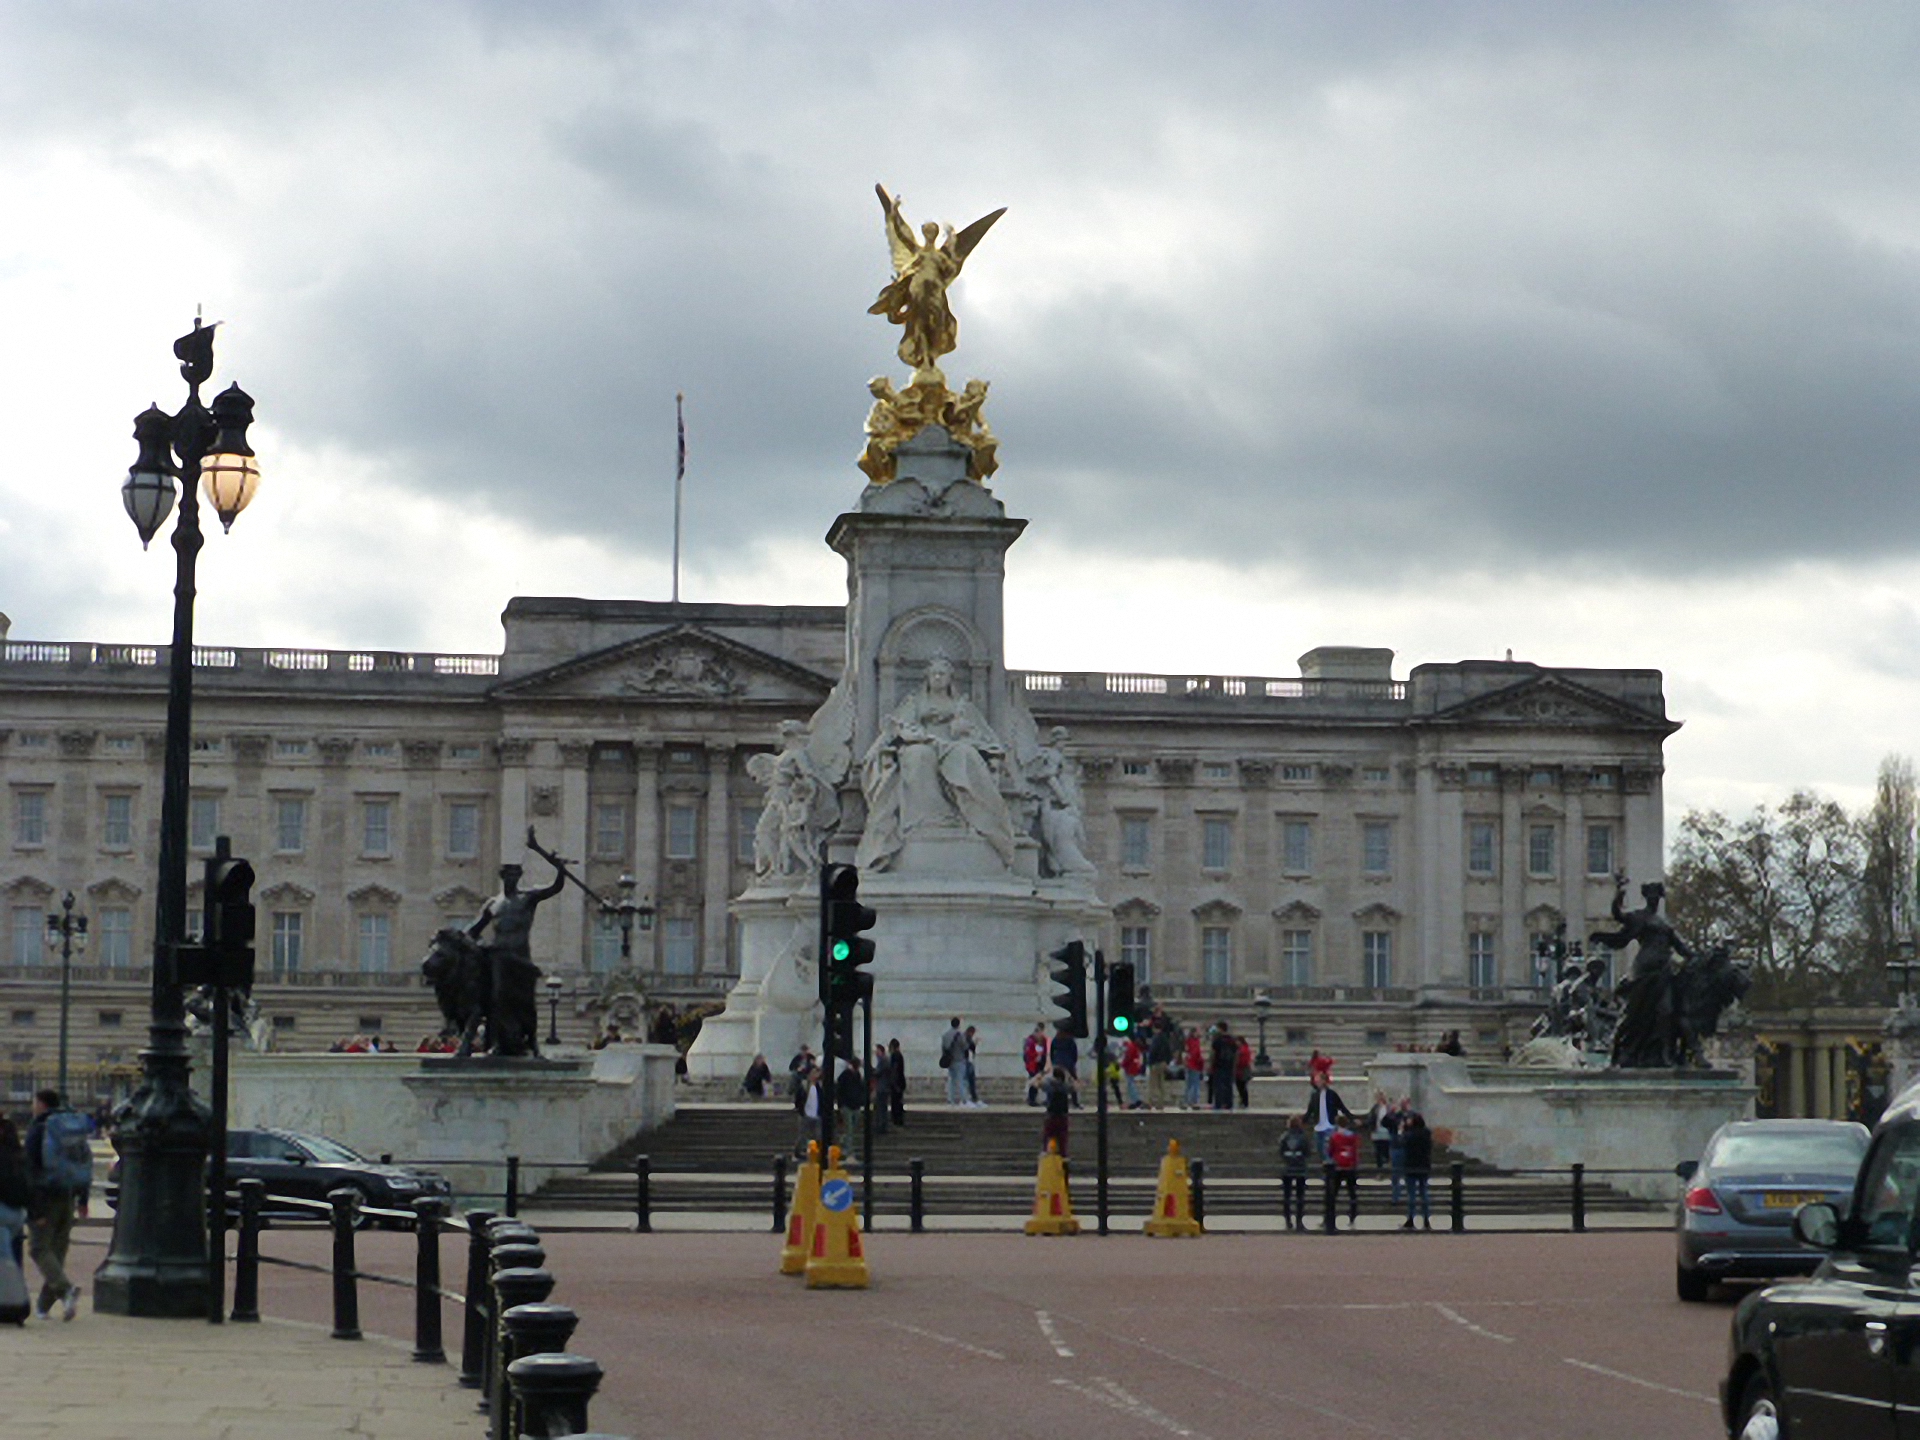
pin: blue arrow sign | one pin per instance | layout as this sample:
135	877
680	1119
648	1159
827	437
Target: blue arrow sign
836	1195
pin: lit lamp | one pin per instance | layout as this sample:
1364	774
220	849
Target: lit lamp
627	911
158	1261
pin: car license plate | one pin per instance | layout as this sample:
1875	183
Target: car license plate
1790	1199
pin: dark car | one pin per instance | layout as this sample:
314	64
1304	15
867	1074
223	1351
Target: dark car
1735	1219
307	1167
1839	1354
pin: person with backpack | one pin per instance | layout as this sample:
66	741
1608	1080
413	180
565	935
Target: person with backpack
953	1060
59	1180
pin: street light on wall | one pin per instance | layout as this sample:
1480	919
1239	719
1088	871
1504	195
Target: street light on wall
158	1263
554	987
1262	1003
66	932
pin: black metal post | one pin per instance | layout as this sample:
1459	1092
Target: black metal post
916	1195
217	1126
157	1264
66	925
552	1392
1100	1086
246	1263
473	1336
512	1285
643	1194
534	1329
1197	1169
868	1073
513	1185
1579	1199
1457	1195
346	1272
1326	1221
826	1002
428	1348
780	1193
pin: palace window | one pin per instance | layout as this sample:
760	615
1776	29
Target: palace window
289	749
1296	957
1136	842
27	932
610	830
116	822
375	935
1540	848
1296	772
1376	774
1483	960
289	938
30	817
683	832
1483	775
1135	767
1376	959
1216	954
1376	847
289	824
1543	779
603	954
1296	847
680	945
1214	770
115	930
463	829
746	824
1600	850
464	751
203	821
1136	949
376	827
1216	842
1483	848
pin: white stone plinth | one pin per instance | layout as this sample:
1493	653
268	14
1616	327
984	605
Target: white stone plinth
463	1117
1621	1120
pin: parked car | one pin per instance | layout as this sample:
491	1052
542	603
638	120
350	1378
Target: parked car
307	1167
1835	1354
1735	1218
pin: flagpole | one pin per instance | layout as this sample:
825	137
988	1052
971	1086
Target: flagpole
679	483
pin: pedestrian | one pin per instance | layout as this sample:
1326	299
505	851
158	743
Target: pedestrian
973	1068
758	1077
1222	1055
953	1060
1418	1140
850	1098
1159	1062
1193	1058
1343	1149
1294	1150
897	1078
1058	1097
1320	1067
1397	1146
1379	1125
1033	1055
1323	1112
14	1191
1064	1051
59	1180
1133	1063
1243	1071
880	1090
806	1109
797	1068
1109	1068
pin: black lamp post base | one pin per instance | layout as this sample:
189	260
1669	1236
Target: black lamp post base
158	1264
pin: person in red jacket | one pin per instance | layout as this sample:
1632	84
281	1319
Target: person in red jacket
1243	1071
1193	1056
1343	1153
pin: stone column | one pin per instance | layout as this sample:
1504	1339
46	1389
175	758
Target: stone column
719	860
1573	859
646	847
1439	876
1513	859
1820	1061
515	750
1643	847
570	948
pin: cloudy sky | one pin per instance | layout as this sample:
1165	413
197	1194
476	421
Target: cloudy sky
1589	331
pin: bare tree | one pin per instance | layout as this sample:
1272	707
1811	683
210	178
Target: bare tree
1887	888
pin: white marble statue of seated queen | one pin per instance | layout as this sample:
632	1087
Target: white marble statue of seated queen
931	769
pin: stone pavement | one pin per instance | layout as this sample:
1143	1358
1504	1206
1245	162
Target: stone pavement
104	1377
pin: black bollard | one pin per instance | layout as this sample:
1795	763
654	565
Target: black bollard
246	1260
428	1348
514	1285
473	1336
1579	1199
553	1392
346	1293
1197	1171
536	1329
780	1193
1326	1222
643	1194
1457	1198
917	1195
513	1185
507	1254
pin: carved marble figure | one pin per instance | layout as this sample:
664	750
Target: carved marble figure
1063	830
932	767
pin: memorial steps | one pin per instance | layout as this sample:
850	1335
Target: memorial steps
719	1157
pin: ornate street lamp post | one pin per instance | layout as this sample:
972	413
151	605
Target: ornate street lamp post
1905	949
66	932
554	987
157	1265
627	910
1263	1062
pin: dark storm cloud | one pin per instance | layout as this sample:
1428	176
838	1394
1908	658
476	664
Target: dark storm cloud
1373	289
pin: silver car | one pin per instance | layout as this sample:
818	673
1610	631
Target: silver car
1735	1216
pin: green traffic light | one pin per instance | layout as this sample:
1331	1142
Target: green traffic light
841	949
1122	1024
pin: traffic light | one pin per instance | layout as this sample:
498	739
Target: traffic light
1121	1005
1070	972
848	951
229	920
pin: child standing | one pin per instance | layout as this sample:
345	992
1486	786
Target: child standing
1343	1149
1295	1147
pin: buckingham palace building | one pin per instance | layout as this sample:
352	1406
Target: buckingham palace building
1375	856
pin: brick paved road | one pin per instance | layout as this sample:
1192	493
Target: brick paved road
1423	1337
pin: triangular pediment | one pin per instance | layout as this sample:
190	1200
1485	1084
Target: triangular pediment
673	666
1551	701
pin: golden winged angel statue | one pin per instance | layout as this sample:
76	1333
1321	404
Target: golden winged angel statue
915	299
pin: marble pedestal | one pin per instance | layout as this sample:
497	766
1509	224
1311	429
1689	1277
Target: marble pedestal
970	946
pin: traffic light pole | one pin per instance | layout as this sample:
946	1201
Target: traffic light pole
825	963
1100	1085
870	1073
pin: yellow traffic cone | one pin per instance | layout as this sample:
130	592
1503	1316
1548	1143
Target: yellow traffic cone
836	1259
1173	1202
806	1203
1052	1205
